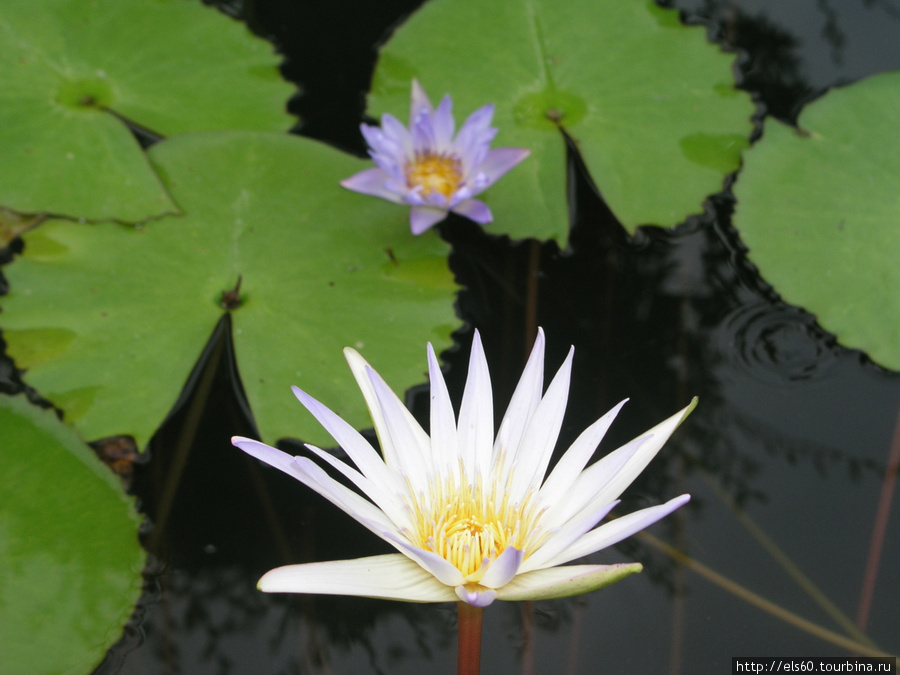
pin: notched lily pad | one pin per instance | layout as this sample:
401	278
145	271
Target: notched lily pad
108	320
72	70
820	211
71	569
650	102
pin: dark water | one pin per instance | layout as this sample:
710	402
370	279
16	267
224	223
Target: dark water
788	447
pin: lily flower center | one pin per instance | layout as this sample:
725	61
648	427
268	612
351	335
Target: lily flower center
434	174
469	526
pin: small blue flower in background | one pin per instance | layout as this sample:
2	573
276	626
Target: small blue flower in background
426	167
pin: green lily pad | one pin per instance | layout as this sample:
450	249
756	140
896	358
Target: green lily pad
650	102
71	570
820	210
72	68
108	319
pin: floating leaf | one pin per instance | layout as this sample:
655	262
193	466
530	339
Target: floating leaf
108	319
71	68
71	569
650	102
819	211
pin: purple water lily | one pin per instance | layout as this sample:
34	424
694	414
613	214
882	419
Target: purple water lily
428	168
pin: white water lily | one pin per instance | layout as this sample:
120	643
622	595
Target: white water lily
472	516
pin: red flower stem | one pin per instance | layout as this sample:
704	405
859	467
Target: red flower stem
469	654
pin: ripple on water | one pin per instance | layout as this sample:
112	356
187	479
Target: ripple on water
777	343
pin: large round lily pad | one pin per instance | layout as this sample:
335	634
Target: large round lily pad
108	319
819	210
71	68
71	570
650	102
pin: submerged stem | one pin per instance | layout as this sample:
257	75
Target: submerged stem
469	650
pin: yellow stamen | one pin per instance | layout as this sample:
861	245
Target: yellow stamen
464	524
434	174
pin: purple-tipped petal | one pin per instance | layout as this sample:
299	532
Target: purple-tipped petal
615	531
475	210
503	568
476	597
371	182
422	218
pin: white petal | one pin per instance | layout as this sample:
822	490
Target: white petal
503	568
566	535
562	582
358	508
385	500
615	531
271	456
576	458
540	436
410	441
524	402
444	442
588	491
366	458
392	577
440	569
652	441
476	415
372	182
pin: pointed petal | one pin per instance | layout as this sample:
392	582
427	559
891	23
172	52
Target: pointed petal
422	218
588	491
571	464
477	597
444	126
503	568
524	402
392	577
444	441
475	210
540	436
476	415
566	535
562	582
411	443
473	141
653	441
366	458
434	564
615	531
500	160
372	182
271	456
394	129
419	102
383	498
